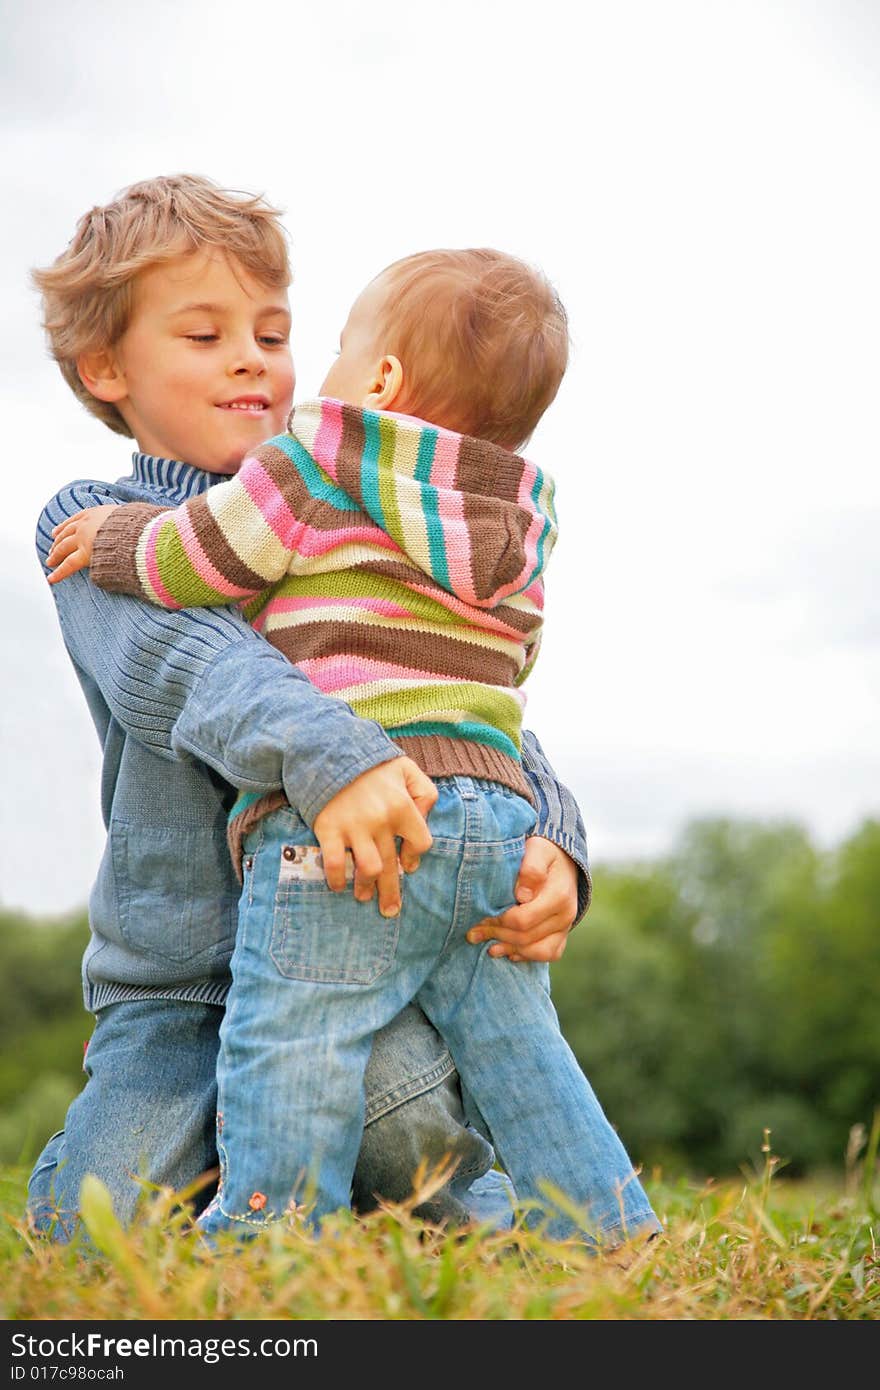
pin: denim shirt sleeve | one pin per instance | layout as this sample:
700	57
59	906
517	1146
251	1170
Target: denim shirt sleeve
203	684
559	818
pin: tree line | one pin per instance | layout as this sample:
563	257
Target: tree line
727	988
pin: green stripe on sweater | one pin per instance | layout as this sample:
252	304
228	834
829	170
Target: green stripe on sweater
386	481
178	575
481	702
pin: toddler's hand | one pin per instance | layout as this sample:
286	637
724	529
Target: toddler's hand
389	802
73	541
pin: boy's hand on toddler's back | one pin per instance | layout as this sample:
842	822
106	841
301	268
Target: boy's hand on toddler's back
73	542
388	803
547	897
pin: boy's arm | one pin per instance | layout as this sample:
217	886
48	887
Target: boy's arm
553	888
559	817
205	685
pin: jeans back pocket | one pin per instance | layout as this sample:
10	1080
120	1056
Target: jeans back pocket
329	938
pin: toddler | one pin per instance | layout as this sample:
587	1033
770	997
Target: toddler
392	545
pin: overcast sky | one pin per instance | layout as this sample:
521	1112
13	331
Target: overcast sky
700	182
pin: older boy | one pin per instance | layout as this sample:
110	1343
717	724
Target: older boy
188	705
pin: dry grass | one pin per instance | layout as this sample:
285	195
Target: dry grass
759	1248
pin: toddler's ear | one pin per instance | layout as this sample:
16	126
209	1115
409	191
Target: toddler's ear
386	386
101	374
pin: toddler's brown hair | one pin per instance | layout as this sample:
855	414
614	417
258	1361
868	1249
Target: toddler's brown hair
483	339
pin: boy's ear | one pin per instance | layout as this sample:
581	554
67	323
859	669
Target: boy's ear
101	373
387	384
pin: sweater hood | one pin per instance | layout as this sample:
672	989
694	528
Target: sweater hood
475	517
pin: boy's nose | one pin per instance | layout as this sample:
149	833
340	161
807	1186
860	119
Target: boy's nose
247	361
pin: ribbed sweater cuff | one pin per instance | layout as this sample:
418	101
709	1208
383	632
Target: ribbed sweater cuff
113	564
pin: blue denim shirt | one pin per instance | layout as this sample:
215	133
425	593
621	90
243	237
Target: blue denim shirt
188	707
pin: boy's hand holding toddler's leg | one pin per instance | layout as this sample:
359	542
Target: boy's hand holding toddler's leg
387	803
546	893
74	541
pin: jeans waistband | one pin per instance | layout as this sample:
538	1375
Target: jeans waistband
469	788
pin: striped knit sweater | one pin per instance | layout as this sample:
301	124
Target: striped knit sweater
397	564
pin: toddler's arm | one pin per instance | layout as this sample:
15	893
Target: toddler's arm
229	543
74	540
205	685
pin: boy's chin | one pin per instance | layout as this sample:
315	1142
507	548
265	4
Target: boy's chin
229	459
241	439
227	465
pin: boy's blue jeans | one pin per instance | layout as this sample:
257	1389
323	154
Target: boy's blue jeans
316	974
147	1115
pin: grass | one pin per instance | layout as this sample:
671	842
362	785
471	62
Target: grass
760	1247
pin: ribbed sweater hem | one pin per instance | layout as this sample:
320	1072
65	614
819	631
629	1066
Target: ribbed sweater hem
441	756
99	995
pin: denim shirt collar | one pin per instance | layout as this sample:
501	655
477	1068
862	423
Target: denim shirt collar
178	480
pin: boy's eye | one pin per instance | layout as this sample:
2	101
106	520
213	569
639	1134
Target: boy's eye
273	339
202	337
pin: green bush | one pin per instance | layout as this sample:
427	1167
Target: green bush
730	988
43	1026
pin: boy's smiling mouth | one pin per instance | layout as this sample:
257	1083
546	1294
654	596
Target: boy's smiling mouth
255	405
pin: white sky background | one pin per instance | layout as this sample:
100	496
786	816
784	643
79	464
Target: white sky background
700	182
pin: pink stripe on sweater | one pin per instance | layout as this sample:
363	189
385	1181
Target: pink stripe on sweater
329	437
445	460
312	542
457	541
166	599
267	497
201	562
535	594
489	622
331	673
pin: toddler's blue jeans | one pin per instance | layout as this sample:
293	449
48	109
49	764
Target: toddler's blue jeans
316	974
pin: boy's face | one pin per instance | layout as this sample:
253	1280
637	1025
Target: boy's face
356	371
205	362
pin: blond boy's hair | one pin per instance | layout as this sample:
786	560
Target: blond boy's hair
87	291
483	339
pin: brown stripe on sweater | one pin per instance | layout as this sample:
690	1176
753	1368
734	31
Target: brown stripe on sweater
318	514
214	543
351	449
326	517
497	543
488	470
287	478
443	657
